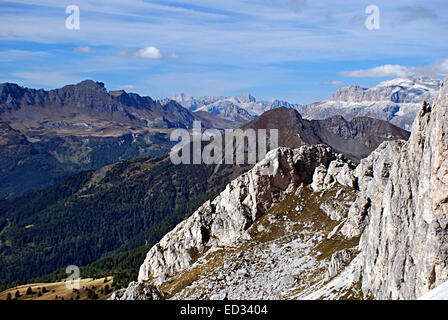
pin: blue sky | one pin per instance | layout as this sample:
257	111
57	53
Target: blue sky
295	50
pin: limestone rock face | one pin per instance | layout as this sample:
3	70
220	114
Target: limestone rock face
402	210
225	219
138	291
339	171
338	259
372	177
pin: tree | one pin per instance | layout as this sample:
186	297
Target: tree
29	291
8	296
17	295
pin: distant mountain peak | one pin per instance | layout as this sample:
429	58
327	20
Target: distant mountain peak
90	83
87	85
117	93
411	90
245	98
181	96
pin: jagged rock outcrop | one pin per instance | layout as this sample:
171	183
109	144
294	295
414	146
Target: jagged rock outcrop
139	291
339	171
226	218
371	176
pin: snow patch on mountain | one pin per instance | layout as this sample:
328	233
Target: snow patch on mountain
397	101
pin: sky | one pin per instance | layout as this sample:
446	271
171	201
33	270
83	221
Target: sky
295	50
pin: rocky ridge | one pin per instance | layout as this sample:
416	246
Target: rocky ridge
355	139
82	127
404	244
242	238
397	101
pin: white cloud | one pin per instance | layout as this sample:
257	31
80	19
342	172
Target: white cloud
439	68
83	49
387	70
149	53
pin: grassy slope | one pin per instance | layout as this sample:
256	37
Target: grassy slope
60	290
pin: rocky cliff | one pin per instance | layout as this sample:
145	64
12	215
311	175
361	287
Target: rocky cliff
400	212
245	244
224	220
319	227
404	243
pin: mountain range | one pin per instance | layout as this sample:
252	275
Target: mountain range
47	135
241	108
355	139
397	101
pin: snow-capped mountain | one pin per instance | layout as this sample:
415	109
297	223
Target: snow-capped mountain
243	107
397	101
